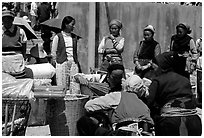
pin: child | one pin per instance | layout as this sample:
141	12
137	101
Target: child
145	53
112	45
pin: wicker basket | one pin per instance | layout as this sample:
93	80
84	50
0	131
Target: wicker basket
65	113
15	114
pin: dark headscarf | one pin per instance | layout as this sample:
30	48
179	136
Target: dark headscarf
184	26
165	61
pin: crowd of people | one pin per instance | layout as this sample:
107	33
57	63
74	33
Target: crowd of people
167	103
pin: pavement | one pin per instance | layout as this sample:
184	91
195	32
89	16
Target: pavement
38	131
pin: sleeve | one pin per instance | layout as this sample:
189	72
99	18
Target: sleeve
23	37
109	101
101	46
152	92
136	53
120	45
157	50
193	50
54	47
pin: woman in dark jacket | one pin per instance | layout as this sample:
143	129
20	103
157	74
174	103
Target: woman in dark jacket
145	53
184	46
171	101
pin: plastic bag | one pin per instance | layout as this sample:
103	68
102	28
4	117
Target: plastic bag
16	88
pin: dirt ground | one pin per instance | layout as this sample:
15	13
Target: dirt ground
38	131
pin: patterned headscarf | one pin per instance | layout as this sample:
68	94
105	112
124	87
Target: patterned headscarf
116	22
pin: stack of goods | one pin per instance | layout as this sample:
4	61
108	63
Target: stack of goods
15	104
40	73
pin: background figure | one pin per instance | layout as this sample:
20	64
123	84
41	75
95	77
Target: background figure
64	53
184	46
147	50
112	45
33	13
43	14
13	37
199	71
171	101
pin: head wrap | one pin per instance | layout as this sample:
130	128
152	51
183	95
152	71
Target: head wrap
116	22
135	84
8	13
134	81
184	26
150	28
165	60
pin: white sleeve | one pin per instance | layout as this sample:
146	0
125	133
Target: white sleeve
120	45
109	101
101	46
54	46
23	36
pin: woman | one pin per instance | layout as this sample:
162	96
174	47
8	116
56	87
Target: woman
13	37
184	46
64	52
112	45
171	101
145	53
13	46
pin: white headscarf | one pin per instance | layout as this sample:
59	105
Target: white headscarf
137	85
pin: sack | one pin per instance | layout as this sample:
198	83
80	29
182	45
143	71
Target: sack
40	71
13	64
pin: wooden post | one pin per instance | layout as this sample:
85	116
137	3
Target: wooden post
91	36
97	34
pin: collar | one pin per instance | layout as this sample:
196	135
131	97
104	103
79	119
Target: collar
66	34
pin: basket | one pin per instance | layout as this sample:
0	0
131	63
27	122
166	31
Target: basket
15	114
65	114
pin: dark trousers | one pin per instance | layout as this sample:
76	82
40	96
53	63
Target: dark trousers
177	126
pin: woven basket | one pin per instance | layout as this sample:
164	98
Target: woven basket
66	113
14	123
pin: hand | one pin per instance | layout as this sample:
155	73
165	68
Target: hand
138	66
81	80
53	62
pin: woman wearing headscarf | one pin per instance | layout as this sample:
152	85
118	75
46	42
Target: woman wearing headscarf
121	104
64	52
171	101
147	50
184	46
112	45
